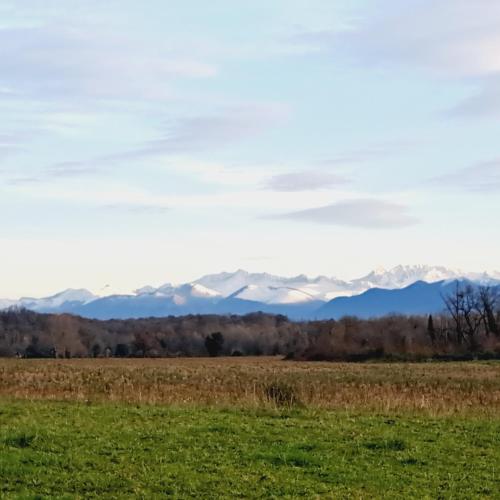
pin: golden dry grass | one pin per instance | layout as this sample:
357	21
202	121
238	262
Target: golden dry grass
431	388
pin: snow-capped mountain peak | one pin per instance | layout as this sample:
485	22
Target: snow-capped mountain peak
227	283
210	291
402	276
71	295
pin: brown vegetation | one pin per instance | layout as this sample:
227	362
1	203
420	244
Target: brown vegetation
395	338
28	334
469	329
435	388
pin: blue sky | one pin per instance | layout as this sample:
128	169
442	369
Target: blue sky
145	142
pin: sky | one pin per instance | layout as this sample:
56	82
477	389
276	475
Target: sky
151	142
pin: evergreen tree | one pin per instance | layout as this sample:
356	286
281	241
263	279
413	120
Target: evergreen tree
430	328
214	343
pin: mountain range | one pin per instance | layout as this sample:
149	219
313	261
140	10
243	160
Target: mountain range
403	289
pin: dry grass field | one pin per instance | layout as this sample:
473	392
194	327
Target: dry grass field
429	388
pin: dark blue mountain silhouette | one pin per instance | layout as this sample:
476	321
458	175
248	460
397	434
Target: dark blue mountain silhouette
418	298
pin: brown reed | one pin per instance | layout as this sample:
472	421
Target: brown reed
434	388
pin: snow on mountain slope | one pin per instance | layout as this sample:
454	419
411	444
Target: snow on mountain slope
70	295
186	290
244	287
323	287
484	278
197	290
185	293
180	295
6	303
145	290
272	295
402	276
228	283
264	285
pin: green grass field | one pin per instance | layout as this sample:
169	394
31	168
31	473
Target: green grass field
78	450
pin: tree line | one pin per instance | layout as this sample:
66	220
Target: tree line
468	327
24	333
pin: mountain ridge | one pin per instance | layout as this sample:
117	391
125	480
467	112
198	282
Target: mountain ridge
299	296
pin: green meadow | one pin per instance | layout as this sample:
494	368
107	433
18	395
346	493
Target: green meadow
51	449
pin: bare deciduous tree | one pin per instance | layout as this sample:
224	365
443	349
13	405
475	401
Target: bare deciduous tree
488	303
467	306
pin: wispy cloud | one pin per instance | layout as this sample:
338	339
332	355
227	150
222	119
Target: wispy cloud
136	209
57	63
58	171
203	132
14	142
483	177
485	102
181	137
304	181
7	150
371	152
364	213
456	39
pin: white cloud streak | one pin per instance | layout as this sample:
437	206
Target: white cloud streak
362	213
305	181
204	132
